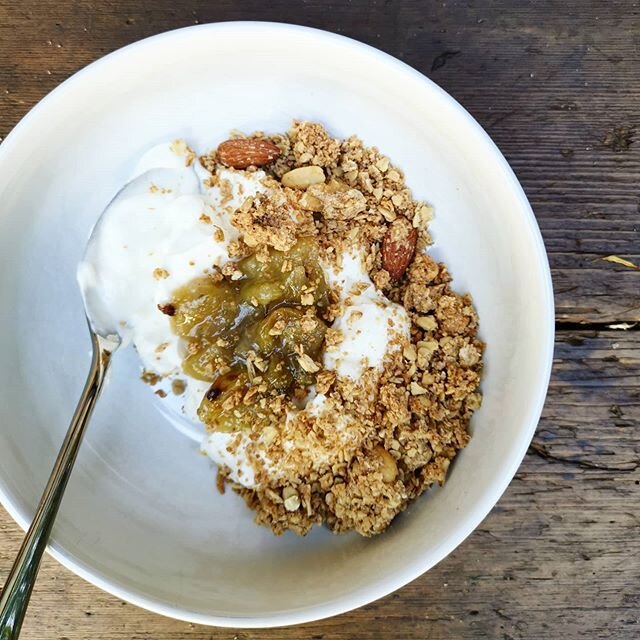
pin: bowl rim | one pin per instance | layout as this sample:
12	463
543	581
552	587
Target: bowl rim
384	587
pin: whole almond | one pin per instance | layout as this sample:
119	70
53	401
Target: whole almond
241	153
398	247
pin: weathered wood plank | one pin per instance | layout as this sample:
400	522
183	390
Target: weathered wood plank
556	557
555	83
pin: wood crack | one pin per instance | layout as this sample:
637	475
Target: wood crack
596	326
542	452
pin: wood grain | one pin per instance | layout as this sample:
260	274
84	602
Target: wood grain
551	81
556	84
558	554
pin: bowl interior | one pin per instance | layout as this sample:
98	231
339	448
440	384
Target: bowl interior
142	517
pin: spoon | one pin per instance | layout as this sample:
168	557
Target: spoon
105	340
19	585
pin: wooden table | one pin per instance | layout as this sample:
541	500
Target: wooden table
557	86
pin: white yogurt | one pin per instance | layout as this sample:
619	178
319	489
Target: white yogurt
158	234
216	444
369	323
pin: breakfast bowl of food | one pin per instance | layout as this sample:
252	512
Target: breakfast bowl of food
335	312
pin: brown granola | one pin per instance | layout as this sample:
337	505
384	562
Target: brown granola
380	441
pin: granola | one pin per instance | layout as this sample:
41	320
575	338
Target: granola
383	438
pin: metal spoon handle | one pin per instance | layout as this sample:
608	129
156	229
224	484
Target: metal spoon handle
17	589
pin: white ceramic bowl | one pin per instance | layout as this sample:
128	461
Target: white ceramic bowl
141	517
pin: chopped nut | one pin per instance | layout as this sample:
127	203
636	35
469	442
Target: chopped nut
382	164
397	200
409	352
422	217
389	466
310	202
291	499
179	147
416	389
469	355
394	176
426	349
303	177
428	323
387	212
427	379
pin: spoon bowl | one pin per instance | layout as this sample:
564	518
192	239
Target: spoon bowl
105	341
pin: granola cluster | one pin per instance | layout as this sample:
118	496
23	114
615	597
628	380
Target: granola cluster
384	439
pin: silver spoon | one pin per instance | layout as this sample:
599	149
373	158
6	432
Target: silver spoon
17	589
19	585
105	340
